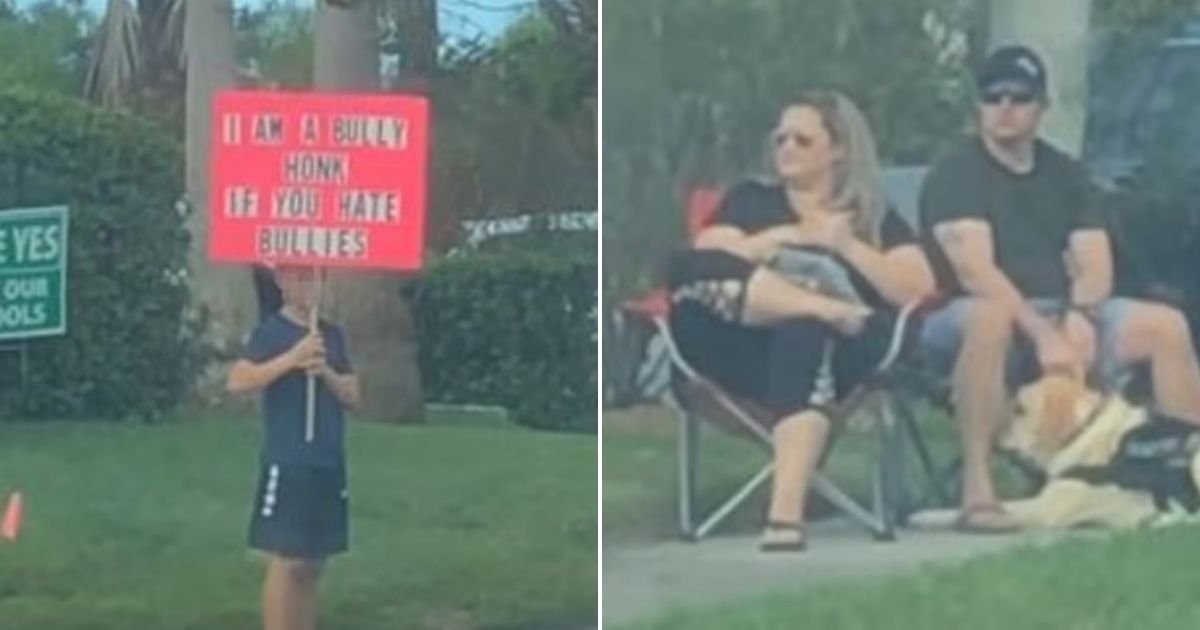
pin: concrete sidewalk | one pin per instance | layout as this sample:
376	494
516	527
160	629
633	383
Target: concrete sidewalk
643	582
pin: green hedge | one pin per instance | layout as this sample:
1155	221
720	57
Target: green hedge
513	329
130	349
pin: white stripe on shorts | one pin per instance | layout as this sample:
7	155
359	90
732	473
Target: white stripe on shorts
269	493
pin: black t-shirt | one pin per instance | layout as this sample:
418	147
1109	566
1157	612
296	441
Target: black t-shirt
1032	215
753	207
285	399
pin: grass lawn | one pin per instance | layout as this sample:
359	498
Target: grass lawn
453	526
640	471
1144	580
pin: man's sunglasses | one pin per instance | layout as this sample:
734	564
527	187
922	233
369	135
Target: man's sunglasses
797	138
1016	97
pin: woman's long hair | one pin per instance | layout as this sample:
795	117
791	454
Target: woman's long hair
856	177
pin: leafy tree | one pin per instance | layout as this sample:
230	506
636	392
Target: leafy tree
275	43
691	89
515	128
45	45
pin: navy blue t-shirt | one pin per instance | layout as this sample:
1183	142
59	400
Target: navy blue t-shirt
283	400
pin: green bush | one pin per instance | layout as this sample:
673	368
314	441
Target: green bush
516	330
130	348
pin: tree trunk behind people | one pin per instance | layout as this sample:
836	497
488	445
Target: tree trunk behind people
225	290
367	304
416	24
1058	31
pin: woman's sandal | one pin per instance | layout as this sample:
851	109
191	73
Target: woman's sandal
799	544
988	518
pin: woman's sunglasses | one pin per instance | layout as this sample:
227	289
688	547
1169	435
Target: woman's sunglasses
800	140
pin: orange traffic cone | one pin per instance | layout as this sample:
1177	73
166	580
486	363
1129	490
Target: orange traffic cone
11	524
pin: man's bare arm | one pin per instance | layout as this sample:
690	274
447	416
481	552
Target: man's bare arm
1091	265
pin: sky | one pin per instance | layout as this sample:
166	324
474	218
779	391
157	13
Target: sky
460	18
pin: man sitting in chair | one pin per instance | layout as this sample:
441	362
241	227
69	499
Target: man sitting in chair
1014	235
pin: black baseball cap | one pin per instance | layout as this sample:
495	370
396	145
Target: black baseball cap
1013	65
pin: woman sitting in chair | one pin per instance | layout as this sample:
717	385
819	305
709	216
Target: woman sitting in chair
761	335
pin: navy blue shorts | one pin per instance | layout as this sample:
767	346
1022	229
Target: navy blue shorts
300	511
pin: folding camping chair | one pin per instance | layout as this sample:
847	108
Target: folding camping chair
695	399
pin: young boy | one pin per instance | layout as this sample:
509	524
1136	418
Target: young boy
300	509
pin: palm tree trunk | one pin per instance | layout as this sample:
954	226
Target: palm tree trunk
1058	31
225	290
368	304
417	22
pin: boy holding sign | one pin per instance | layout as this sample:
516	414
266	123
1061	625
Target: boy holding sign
300	508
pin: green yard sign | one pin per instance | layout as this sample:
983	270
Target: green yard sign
33	272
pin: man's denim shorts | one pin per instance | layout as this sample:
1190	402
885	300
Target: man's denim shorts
941	336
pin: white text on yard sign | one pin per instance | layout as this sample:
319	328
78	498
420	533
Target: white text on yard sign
33	272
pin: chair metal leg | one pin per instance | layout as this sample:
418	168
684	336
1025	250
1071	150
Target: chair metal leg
903	503
734	501
848	506
881	506
933	476
889	473
689	438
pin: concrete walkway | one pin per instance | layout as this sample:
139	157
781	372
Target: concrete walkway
643	582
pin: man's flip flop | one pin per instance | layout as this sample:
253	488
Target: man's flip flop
799	544
986	519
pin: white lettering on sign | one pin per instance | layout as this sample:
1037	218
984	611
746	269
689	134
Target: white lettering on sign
30	245
316	168
296	203
366	206
25	289
310	129
304	241
241	202
380	132
268	129
23	315
231	128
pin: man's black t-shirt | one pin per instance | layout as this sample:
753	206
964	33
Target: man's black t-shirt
1032	215
753	207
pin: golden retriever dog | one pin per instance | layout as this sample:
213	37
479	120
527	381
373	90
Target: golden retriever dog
1108	463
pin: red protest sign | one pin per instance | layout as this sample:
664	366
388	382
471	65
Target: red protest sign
331	180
